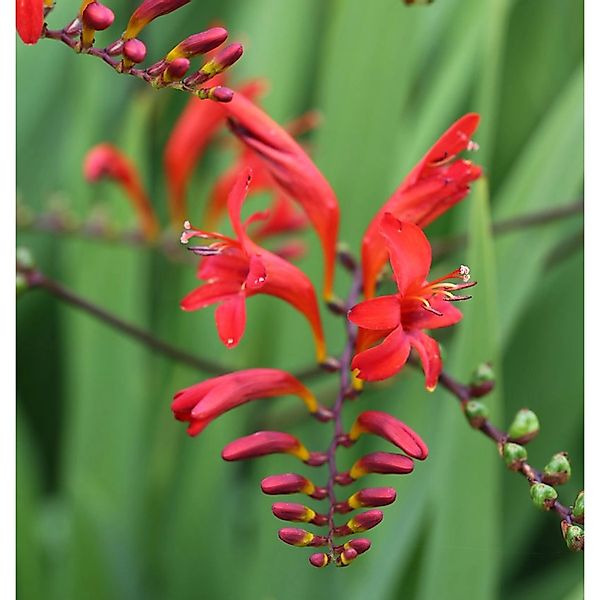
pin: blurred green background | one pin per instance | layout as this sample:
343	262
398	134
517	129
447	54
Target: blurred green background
114	500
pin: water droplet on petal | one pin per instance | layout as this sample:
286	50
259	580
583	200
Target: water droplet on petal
229	341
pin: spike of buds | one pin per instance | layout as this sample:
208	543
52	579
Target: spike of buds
524	427
543	496
199	43
578	512
319	560
476	412
290	511
134	51
377	462
146	12
574	536
291	483
300	537
391	429
514	455
360	523
558	470
262	443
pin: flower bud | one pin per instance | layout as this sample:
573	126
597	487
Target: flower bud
381	462
98	17
477	413
300	537
574	536
360	523
146	12
558	470
223	60
372	497
290	511
361	545
347	556
199	43
514	456
219	93
319	560
262	443
483	381
291	483
524	427
391	429
577	511
134	50
176	69
543	496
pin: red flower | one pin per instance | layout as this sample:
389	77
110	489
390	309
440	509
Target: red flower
105	160
190	137
292	170
436	184
30	20
236	269
200	404
400	318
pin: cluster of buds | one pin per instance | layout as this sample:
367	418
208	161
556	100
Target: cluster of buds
174	70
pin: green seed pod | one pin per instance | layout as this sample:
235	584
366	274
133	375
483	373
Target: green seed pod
524	427
558	470
514	455
482	374
25	259
543	496
577	511
574	536
476	413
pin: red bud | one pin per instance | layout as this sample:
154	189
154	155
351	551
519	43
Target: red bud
262	443
381	462
300	537
134	50
98	17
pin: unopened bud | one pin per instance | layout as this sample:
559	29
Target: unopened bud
347	556
290	511
577	512
147	11
319	560
176	69
381	462
543	496
262	443
98	17
134	50
514	455
524	427
361	545
483	381
477	413
360	523
291	483
558	470
372	497
390	429
223	60
199	43
574	536
218	93
300	537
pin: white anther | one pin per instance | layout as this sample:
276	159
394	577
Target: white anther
465	272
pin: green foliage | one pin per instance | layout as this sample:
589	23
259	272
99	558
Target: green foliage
114	500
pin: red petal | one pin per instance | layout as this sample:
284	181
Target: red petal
410	252
231	319
257	275
30	20
429	352
292	169
209	294
231	265
384	360
379	313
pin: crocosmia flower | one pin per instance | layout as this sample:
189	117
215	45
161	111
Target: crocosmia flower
401	318
437	183
292	170
235	269
30	20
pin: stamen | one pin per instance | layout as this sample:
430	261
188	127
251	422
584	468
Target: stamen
472	146
205	250
465	272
